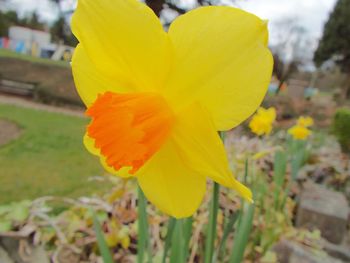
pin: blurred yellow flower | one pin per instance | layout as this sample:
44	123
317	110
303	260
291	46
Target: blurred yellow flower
157	99
299	132
305	121
262	121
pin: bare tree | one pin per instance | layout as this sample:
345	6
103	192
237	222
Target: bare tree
291	49
60	29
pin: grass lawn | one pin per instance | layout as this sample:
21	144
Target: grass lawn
47	159
11	54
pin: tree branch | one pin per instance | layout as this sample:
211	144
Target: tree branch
175	7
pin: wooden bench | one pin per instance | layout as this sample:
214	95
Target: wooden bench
17	87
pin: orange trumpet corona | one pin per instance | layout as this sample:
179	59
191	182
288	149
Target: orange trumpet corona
129	128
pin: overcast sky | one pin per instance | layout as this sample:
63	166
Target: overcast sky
312	14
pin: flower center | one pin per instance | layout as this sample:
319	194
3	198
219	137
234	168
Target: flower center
129	128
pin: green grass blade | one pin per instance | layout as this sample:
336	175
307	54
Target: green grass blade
143	235
211	230
102	244
168	238
243	232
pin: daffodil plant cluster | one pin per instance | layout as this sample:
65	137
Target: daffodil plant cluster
262	124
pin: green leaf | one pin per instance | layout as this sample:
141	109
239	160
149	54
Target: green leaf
211	230
246	163
243	232
177	244
227	230
279	174
18	213
102	244
143	235
280	165
101	216
187	229
298	154
4	209
5	225
178	239
245	223
170	231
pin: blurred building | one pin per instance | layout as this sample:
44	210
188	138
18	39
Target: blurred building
28	41
35	43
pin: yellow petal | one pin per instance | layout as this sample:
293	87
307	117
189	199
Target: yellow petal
170	185
202	150
268	114
89	144
305	121
125	41
90	82
222	61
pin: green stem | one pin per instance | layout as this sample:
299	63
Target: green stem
246	164
143	235
177	246
213	212
168	238
187	228
243	232
227	230
244	224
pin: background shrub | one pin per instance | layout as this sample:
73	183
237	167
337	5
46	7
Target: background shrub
341	128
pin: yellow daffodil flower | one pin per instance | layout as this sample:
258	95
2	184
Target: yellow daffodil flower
157	99
299	132
305	121
262	121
